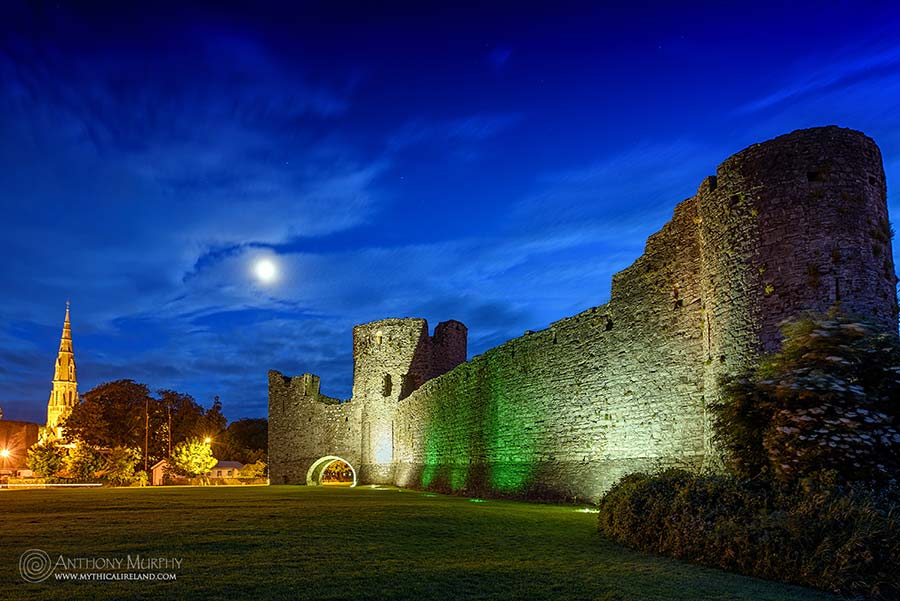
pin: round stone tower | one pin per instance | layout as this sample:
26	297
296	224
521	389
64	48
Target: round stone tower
794	225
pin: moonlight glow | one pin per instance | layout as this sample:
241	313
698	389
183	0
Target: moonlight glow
265	271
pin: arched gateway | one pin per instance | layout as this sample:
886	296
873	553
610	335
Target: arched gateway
331	469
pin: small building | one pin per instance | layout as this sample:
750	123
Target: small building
226	469
15	439
158	472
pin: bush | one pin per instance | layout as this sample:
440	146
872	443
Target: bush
828	400
120	465
816	531
253	470
46	458
84	463
812	445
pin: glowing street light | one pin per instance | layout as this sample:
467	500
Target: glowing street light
4	453
207	440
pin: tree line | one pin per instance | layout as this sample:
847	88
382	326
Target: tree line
121	428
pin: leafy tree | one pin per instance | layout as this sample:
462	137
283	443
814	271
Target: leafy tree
215	421
120	413
45	459
120	465
111	415
245	440
193	457
84	463
253	470
828	400
141	477
188	417
254	456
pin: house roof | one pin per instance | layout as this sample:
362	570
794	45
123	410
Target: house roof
223	465
157	464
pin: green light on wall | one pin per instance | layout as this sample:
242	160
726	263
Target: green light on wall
509	478
458	476
434	439
483	414
428	474
446	455
509	441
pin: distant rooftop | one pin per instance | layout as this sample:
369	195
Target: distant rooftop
227	465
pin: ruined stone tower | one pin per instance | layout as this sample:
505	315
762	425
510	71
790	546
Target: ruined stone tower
64	394
392	358
794	225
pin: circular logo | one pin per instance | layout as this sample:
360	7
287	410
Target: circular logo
35	565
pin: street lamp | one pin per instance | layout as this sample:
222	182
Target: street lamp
4	453
207	440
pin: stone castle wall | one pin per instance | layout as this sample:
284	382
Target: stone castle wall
302	422
566	411
795	224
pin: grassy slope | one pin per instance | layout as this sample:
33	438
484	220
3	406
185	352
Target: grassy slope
329	543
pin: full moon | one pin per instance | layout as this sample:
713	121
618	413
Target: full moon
265	271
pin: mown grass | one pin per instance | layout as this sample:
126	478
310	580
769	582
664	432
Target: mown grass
285	542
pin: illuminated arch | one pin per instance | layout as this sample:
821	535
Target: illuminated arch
314	475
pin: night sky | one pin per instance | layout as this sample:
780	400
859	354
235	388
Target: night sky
495	168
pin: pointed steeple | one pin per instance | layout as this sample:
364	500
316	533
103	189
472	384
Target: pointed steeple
65	343
64	394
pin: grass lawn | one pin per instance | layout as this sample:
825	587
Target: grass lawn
286	542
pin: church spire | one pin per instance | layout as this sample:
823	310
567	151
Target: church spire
64	394
65	343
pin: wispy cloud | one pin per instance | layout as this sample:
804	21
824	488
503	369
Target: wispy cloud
213	324
471	129
839	72
618	200
183	165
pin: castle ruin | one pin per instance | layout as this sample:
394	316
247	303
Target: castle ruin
789	226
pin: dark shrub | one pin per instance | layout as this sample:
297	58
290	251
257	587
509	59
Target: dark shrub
815	531
827	401
812	446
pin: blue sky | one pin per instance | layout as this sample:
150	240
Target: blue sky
493	167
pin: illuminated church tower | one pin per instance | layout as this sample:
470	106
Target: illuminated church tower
65	387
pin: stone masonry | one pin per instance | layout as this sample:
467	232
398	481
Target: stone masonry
789	226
